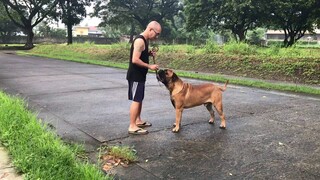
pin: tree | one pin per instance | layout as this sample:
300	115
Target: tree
295	18
7	27
30	13
71	12
238	16
135	14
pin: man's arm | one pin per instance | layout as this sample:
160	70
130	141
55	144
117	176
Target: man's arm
138	47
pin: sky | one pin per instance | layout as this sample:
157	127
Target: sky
88	21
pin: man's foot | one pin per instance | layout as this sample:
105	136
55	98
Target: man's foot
139	131
145	124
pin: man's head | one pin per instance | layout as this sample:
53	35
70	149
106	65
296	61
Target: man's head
153	30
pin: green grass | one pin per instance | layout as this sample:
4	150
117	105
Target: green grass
37	152
298	65
252	83
123	152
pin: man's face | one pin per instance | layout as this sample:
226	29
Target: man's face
155	32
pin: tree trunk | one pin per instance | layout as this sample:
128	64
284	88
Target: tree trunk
291	40
241	35
69	33
286	37
69	25
132	33
30	35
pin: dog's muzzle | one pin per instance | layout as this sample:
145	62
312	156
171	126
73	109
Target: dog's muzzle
161	75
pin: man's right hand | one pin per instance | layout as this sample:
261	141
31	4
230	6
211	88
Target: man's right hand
153	66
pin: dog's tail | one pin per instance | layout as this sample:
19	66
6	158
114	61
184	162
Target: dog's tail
223	88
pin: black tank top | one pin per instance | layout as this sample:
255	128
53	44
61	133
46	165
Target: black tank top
137	73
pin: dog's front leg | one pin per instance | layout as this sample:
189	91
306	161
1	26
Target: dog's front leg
178	120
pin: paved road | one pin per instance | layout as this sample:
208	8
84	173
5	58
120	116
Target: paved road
270	135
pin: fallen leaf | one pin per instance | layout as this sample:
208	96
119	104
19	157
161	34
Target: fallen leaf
124	165
107	167
117	162
111	161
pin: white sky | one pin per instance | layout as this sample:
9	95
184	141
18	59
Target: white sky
88	21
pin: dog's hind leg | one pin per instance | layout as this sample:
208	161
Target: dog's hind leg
219	109
209	108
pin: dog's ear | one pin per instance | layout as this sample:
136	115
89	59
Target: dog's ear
169	72
174	77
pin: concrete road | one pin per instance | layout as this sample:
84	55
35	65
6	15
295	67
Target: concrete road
269	135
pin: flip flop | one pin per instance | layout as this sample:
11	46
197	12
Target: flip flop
145	124
138	132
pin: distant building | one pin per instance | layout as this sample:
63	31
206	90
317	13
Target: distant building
91	31
279	35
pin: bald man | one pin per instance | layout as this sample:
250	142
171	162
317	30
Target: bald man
136	75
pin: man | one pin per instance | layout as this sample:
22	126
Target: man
136	75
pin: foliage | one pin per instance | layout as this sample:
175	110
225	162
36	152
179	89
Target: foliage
238	16
295	18
71	12
124	152
44	30
256	36
7	27
30	13
136	14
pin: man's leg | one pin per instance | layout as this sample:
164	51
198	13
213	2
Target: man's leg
136	94
135	110
138	119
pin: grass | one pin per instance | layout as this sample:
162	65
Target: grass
252	83
37	152
299	66
123	152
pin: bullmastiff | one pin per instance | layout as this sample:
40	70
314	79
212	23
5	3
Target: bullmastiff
184	95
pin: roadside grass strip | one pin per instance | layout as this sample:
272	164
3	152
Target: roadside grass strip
116	56
37	152
252	83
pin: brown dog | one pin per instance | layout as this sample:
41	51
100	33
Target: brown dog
184	95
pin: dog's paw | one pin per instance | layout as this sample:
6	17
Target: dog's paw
222	127
211	122
175	130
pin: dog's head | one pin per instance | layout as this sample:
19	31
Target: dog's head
167	76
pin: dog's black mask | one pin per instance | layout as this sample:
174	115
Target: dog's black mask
161	76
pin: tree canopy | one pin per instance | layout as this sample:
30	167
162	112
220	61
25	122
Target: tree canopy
295	18
7	27
136	14
238	16
30	13
71	12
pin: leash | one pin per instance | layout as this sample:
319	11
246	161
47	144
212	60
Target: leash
155	49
